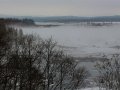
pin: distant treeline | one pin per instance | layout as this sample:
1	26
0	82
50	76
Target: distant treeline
29	20
16	21
69	19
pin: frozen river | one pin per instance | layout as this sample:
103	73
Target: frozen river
82	40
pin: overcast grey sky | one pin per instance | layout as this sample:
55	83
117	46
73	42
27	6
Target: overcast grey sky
60	7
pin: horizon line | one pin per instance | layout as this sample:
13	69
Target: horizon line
6	15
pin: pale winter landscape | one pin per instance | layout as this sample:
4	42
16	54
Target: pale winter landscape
59	44
84	42
81	40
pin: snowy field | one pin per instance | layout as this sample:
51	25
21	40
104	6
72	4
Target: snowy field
82	40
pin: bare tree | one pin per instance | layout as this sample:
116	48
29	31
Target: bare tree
29	63
109	73
60	69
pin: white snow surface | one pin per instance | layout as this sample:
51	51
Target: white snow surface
82	40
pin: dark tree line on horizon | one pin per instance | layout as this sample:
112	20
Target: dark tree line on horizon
12	21
77	19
